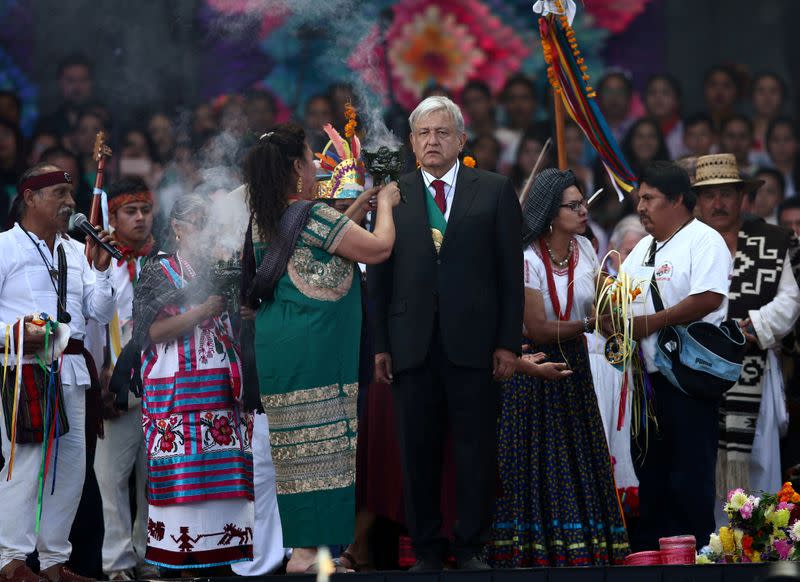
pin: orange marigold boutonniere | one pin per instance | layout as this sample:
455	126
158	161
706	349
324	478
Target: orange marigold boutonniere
469	161
350	127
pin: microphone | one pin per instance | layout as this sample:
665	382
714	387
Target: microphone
82	223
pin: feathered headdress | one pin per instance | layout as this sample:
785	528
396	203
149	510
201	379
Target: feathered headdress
340	161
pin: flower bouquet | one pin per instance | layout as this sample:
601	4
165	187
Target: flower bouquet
761	528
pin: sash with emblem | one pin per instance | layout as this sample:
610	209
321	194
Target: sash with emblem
436	220
760	253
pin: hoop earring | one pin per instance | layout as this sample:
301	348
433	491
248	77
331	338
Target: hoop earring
299	185
177	238
551	228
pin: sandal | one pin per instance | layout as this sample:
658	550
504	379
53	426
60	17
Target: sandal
339	568
355	565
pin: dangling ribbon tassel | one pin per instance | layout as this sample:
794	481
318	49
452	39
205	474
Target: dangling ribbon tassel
6	348
46	430
623	400
17	383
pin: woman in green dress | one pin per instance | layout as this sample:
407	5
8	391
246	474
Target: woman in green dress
307	340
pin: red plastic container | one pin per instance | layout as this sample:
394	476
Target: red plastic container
683	556
643	559
686	541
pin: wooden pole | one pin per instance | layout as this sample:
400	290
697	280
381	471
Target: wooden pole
558	110
523	195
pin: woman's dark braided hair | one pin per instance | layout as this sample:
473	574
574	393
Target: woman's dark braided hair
269	175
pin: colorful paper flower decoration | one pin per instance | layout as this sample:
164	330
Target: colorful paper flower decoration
272	15
615	15
446	42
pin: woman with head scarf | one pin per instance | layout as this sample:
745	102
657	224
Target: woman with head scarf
307	335
559	506
198	439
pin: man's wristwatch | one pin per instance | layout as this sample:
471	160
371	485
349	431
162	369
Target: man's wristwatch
587	328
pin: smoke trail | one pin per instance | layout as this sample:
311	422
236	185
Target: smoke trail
344	23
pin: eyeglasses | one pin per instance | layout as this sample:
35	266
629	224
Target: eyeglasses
575	205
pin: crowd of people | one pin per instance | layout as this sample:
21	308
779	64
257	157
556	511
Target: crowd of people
425	357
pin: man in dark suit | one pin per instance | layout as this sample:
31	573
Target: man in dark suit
448	320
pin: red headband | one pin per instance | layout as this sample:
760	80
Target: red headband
121	200
44	180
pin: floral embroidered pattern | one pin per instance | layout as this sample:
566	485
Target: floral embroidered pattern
324	280
169	435
248	433
208	344
219	430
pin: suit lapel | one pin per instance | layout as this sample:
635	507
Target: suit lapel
415	192
462	200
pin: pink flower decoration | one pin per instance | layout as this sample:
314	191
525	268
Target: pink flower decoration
447	42
747	510
784	548
785	505
615	15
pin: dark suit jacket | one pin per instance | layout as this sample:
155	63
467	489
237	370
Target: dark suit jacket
474	285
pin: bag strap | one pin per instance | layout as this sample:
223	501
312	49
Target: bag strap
658	304
276	258
61	309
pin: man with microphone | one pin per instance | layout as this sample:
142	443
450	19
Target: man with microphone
45	274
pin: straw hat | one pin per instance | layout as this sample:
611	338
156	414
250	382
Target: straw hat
718	169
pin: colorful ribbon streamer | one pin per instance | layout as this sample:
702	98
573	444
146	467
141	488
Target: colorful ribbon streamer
567	74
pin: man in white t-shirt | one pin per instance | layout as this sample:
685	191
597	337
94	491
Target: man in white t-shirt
691	265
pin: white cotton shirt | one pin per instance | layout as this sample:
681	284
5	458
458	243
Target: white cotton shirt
694	261
123	289
26	289
777	318
585	278
449	180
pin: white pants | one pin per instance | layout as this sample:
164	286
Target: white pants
268	549
18	496
119	454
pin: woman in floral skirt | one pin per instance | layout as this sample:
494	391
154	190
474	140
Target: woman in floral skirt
559	505
199	458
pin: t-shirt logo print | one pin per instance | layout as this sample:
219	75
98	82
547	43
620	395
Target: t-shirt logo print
664	272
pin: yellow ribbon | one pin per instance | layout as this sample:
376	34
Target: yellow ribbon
115	338
17	383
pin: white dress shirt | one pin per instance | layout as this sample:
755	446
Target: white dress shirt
26	288
449	180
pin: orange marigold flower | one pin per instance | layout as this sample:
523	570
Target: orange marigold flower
787	494
469	161
350	114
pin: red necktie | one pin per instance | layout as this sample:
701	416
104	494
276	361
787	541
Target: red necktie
440	199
